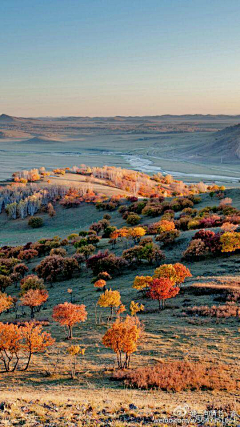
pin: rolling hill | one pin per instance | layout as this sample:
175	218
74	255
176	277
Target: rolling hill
221	147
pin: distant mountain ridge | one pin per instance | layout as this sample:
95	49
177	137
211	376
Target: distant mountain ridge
8	118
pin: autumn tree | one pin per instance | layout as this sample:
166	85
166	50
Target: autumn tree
165	225
74	351
86	250
228	227
54	267
136	233
123	338
10	346
34	298
142	282
135	307
6	302
51	211
133	219
20	269
32	282
68	315
121	310
177	273
100	284
18	342
5	281
230	241
35	340
114	236
110	299
162	289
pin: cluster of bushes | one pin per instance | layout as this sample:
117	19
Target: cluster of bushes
106	262
145	251
110	205
208	217
207	242
53	268
178	376
11	271
32	250
156	206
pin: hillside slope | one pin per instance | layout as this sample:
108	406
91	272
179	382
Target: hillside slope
221	147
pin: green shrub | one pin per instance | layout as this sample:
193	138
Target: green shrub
35	222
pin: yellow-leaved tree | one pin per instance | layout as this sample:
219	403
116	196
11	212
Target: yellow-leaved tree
110	299
123	338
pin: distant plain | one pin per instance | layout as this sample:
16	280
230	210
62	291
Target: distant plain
146	144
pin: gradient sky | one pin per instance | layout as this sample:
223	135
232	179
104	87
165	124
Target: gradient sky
119	57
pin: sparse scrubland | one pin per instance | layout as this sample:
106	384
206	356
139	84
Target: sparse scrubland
117	308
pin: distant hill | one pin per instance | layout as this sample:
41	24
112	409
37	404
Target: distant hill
222	146
227	143
4	118
40	140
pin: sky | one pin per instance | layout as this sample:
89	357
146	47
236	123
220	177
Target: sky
119	57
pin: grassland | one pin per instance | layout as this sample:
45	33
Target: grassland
169	335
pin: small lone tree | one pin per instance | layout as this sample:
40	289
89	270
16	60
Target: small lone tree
136	233
135	307
123	337
34	298
110	299
74	351
68	314
100	284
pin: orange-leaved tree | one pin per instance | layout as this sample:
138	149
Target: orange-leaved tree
18	342
6	301
35	340
100	284
34	298
162	289
228	227
10	346
123	337
165	225
177	273
68	314
110	299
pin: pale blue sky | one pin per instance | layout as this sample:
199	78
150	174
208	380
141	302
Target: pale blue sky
119	57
